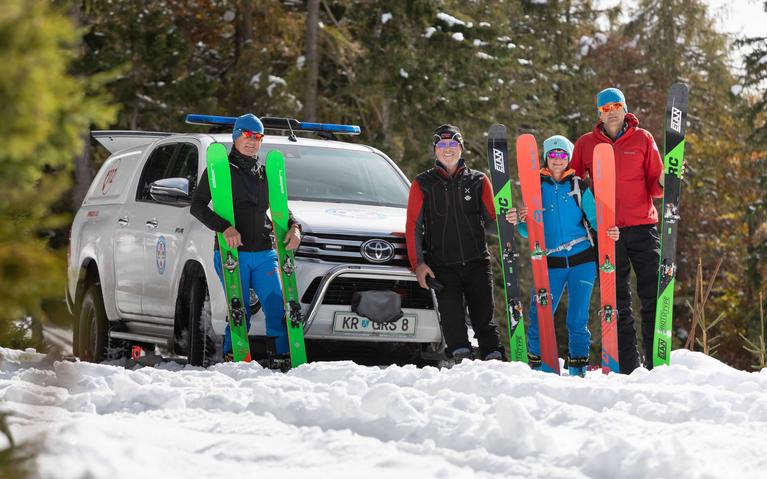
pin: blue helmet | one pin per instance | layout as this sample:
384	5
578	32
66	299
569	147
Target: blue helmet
247	122
557	142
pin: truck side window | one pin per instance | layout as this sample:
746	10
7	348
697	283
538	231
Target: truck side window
157	165
185	165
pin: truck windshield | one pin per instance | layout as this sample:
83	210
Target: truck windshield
341	176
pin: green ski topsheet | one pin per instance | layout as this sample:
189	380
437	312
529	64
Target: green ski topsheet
220	180
278	204
498	159
673	163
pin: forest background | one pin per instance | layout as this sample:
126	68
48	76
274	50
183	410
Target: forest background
398	69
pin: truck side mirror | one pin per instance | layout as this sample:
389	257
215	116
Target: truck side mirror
171	191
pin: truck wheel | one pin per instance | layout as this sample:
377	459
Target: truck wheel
197	339
93	326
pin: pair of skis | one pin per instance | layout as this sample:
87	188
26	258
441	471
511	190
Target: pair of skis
604	190
219	177
529	174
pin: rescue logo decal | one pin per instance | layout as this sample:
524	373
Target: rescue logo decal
109	178
354	213
161	254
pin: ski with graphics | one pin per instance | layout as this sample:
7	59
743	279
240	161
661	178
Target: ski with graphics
604	190
673	164
219	178
530	180
498	159
278	204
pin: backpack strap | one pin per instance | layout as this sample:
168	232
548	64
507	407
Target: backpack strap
576	187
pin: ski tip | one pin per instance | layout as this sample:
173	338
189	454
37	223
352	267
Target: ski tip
497	131
217	148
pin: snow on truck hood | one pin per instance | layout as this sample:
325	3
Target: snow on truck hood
345	218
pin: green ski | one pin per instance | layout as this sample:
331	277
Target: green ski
676	126
220	180
278	204
498	159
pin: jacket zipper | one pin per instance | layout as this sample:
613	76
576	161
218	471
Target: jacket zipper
456	204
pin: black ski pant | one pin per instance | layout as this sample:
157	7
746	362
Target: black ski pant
474	281
639	249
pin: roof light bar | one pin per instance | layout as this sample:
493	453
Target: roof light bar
275	123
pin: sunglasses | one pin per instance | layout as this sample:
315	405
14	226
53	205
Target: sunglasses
611	107
448	144
557	155
252	135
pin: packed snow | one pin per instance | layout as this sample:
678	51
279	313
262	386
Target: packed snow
695	419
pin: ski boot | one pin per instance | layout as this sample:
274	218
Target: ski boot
494	355
534	362
577	366
462	353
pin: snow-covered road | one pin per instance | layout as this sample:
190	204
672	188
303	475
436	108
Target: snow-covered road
695	419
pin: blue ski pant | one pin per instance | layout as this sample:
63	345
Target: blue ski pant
259	271
579	281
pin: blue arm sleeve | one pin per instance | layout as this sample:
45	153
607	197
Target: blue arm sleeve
522	229
589	208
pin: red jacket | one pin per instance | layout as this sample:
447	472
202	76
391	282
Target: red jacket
638	167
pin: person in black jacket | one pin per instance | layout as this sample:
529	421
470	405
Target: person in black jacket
449	209
251	231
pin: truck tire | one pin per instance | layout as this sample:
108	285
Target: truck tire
196	296
93	326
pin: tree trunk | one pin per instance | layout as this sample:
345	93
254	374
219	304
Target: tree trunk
312	60
244	29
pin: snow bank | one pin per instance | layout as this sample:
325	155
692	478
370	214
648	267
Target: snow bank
696	418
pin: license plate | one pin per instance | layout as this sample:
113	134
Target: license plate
346	322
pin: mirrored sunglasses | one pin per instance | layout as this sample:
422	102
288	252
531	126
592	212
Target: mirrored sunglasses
448	144
611	106
254	135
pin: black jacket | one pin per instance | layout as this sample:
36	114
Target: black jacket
250	195
447	217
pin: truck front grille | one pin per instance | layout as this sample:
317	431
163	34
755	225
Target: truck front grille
337	248
341	290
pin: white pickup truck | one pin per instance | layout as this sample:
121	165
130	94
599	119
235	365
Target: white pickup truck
140	268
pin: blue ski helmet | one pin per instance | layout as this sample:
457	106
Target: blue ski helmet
611	95
247	122
557	142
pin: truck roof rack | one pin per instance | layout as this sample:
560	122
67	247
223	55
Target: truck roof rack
220	124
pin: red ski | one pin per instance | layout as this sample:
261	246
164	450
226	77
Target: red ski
604	193
530	180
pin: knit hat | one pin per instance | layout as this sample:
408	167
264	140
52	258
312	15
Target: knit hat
557	142
611	95
247	122
447	132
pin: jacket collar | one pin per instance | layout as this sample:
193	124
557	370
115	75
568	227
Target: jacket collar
443	170
546	175
244	163
630	124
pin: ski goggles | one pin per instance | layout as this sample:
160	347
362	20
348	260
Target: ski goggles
608	107
253	135
448	144
557	155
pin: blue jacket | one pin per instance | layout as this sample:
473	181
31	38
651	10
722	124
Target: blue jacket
562	217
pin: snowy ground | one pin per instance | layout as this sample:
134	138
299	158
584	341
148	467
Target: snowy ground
695	419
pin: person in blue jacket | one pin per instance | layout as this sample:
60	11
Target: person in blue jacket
568	210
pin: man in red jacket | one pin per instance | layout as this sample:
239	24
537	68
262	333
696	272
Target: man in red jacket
638	178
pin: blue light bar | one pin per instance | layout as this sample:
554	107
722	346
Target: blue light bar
274	123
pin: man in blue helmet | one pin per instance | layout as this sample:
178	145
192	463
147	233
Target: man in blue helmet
638	177
258	260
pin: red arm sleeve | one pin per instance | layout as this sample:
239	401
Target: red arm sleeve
488	201
414	228
578	162
653	167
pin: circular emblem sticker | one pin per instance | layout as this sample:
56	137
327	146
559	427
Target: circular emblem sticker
354	213
160	254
